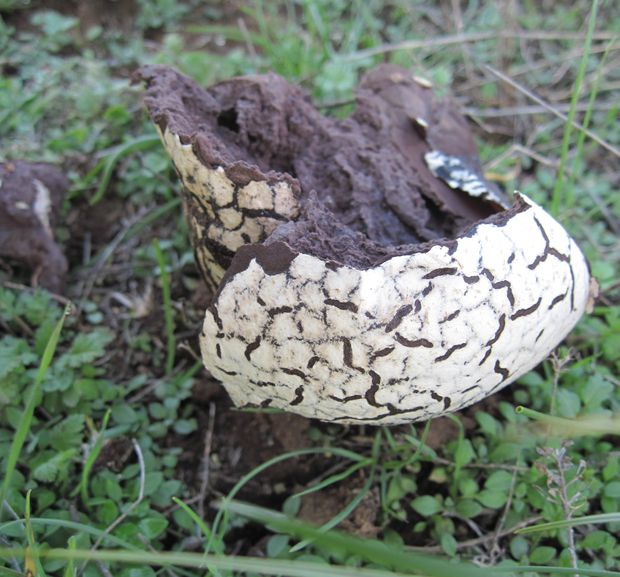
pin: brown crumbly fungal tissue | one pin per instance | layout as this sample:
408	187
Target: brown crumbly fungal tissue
363	269
30	197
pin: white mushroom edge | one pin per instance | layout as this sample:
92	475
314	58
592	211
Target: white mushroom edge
235	215
410	339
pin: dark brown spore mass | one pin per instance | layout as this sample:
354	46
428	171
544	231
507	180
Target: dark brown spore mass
365	190
23	236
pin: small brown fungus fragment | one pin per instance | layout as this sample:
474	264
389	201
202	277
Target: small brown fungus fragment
30	197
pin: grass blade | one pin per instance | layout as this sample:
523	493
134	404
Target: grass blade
249	565
168	317
342	514
70	568
406	562
32	563
369	550
333	479
204	528
92	457
581	571
106	166
31	403
353	504
222	515
578	427
576	522
570	192
557	198
72	525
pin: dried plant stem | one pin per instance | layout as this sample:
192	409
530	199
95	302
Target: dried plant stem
21	287
558	364
453	39
480	540
494	550
206	459
510	111
103	569
558	455
553	109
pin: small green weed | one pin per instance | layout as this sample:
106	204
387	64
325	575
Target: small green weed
55	442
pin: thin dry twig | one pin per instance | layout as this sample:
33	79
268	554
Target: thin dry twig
107	252
457	17
588	81
24	288
475	37
103	569
206	459
3	540
558	489
248	40
185	347
568	513
21	324
558	364
523	150
144	391
494	550
480	540
509	111
544	63
552	109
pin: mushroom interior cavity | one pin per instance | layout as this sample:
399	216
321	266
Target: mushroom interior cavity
365	174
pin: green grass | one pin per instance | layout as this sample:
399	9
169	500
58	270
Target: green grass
105	169
560	186
31	403
167	304
526	491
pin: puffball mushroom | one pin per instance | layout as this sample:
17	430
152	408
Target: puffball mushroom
364	270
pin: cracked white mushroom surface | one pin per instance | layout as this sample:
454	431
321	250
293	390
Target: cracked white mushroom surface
412	338
364	270
222	214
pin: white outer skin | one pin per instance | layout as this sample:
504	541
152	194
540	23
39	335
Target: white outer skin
547	280
226	205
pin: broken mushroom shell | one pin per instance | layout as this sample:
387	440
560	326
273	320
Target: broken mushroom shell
364	270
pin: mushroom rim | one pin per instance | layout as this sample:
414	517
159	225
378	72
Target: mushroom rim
275	257
509	345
